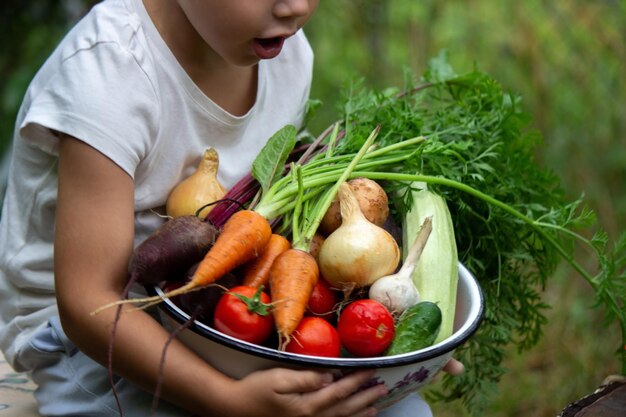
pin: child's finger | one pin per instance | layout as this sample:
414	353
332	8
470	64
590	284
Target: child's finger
296	382
343	394
358	404
453	367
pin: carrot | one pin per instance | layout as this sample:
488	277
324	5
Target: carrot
242	239
257	273
293	276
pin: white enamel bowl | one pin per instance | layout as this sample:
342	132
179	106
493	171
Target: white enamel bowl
402	374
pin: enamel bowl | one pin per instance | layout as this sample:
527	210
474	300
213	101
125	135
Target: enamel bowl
402	374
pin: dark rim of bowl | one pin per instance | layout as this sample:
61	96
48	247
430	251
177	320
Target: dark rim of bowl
301	360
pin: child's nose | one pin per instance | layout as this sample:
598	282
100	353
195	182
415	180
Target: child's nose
292	8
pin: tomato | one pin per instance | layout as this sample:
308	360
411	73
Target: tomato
322	300
315	336
366	328
243	312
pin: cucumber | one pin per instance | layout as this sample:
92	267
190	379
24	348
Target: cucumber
416	329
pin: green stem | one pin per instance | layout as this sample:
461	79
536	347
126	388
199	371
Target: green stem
279	198
622	353
296	171
612	301
488	199
318	173
324	204
623	348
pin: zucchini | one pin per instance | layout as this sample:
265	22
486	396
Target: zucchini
416	329
436	274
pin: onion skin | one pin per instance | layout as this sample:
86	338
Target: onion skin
197	190
358	252
372	199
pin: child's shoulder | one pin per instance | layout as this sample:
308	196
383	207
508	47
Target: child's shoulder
114	22
107	48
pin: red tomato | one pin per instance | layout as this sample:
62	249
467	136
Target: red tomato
322	300
243	312
366	328
315	336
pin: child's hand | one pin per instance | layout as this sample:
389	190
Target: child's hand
286	393
453	367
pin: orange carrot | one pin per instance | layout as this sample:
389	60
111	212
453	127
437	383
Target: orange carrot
242	239
257	272
293	276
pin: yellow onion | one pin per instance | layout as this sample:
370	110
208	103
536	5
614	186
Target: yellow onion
358	252
372	200
197	190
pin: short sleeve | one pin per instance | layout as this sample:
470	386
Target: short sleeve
100	95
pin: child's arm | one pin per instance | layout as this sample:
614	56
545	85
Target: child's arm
94	240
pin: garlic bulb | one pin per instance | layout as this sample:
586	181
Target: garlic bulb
197	190
397	292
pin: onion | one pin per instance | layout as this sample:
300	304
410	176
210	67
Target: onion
397	292
372	200
358	252
197	190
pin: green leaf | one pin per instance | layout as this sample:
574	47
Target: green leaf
439	68
254	304
312	106
270	163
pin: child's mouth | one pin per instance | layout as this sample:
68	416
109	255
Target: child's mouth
268	48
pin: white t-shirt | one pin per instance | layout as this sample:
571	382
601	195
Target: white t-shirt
113	83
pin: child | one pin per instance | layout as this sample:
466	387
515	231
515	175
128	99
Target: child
116	117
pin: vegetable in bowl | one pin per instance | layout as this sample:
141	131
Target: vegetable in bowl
464	140
402	373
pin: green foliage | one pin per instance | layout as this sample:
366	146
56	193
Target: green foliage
566	59
512	220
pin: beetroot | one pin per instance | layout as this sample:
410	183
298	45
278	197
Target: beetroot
171	250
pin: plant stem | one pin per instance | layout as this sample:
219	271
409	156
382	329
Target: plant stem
321	208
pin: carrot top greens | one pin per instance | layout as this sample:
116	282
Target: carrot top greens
469	140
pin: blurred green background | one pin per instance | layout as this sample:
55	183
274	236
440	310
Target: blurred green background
565	58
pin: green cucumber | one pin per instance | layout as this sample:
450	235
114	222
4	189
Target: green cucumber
416	329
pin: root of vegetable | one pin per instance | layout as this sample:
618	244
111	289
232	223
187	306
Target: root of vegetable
397	292
197	190
168	253
257	273
358	252
372	200
242	239
293	276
